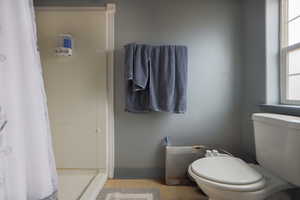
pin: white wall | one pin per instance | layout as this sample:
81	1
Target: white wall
76	86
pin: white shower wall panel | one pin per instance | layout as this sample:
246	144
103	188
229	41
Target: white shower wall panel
76	86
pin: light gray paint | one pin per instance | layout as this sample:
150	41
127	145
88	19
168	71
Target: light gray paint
261	65
212	31
254	70
272	24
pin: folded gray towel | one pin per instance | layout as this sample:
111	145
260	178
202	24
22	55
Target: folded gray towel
156	78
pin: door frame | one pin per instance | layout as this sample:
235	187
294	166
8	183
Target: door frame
109	10
110	47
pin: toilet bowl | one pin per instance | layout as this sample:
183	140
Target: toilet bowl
230	178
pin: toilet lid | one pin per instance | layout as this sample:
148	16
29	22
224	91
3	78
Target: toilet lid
227	170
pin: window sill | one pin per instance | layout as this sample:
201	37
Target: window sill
281	109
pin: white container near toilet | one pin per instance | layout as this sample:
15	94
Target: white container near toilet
277	142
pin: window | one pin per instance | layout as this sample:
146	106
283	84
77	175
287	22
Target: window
290	52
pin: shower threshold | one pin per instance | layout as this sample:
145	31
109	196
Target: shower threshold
80	184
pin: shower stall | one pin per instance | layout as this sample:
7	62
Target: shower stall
79	89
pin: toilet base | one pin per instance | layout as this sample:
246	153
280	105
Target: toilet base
280	196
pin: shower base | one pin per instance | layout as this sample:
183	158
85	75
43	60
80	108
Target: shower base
80	184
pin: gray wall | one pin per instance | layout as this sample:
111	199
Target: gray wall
212	31
254	73
272	26
260	65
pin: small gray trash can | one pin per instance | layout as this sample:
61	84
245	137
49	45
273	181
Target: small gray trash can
178	159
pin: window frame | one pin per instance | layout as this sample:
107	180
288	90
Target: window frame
284	51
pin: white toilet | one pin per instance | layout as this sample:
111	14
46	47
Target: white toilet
277	142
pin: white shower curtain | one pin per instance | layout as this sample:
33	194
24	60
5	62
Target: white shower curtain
27	167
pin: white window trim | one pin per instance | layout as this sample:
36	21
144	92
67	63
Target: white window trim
284	49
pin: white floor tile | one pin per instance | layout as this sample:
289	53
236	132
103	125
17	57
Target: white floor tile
73	182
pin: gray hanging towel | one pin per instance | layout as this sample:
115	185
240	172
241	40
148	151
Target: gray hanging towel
156	78
137	77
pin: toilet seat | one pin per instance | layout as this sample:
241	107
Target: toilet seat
228	173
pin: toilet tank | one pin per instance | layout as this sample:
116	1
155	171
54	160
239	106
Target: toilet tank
277	142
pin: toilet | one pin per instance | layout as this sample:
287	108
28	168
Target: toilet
277	142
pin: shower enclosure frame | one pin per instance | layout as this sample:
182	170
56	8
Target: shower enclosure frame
98	182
